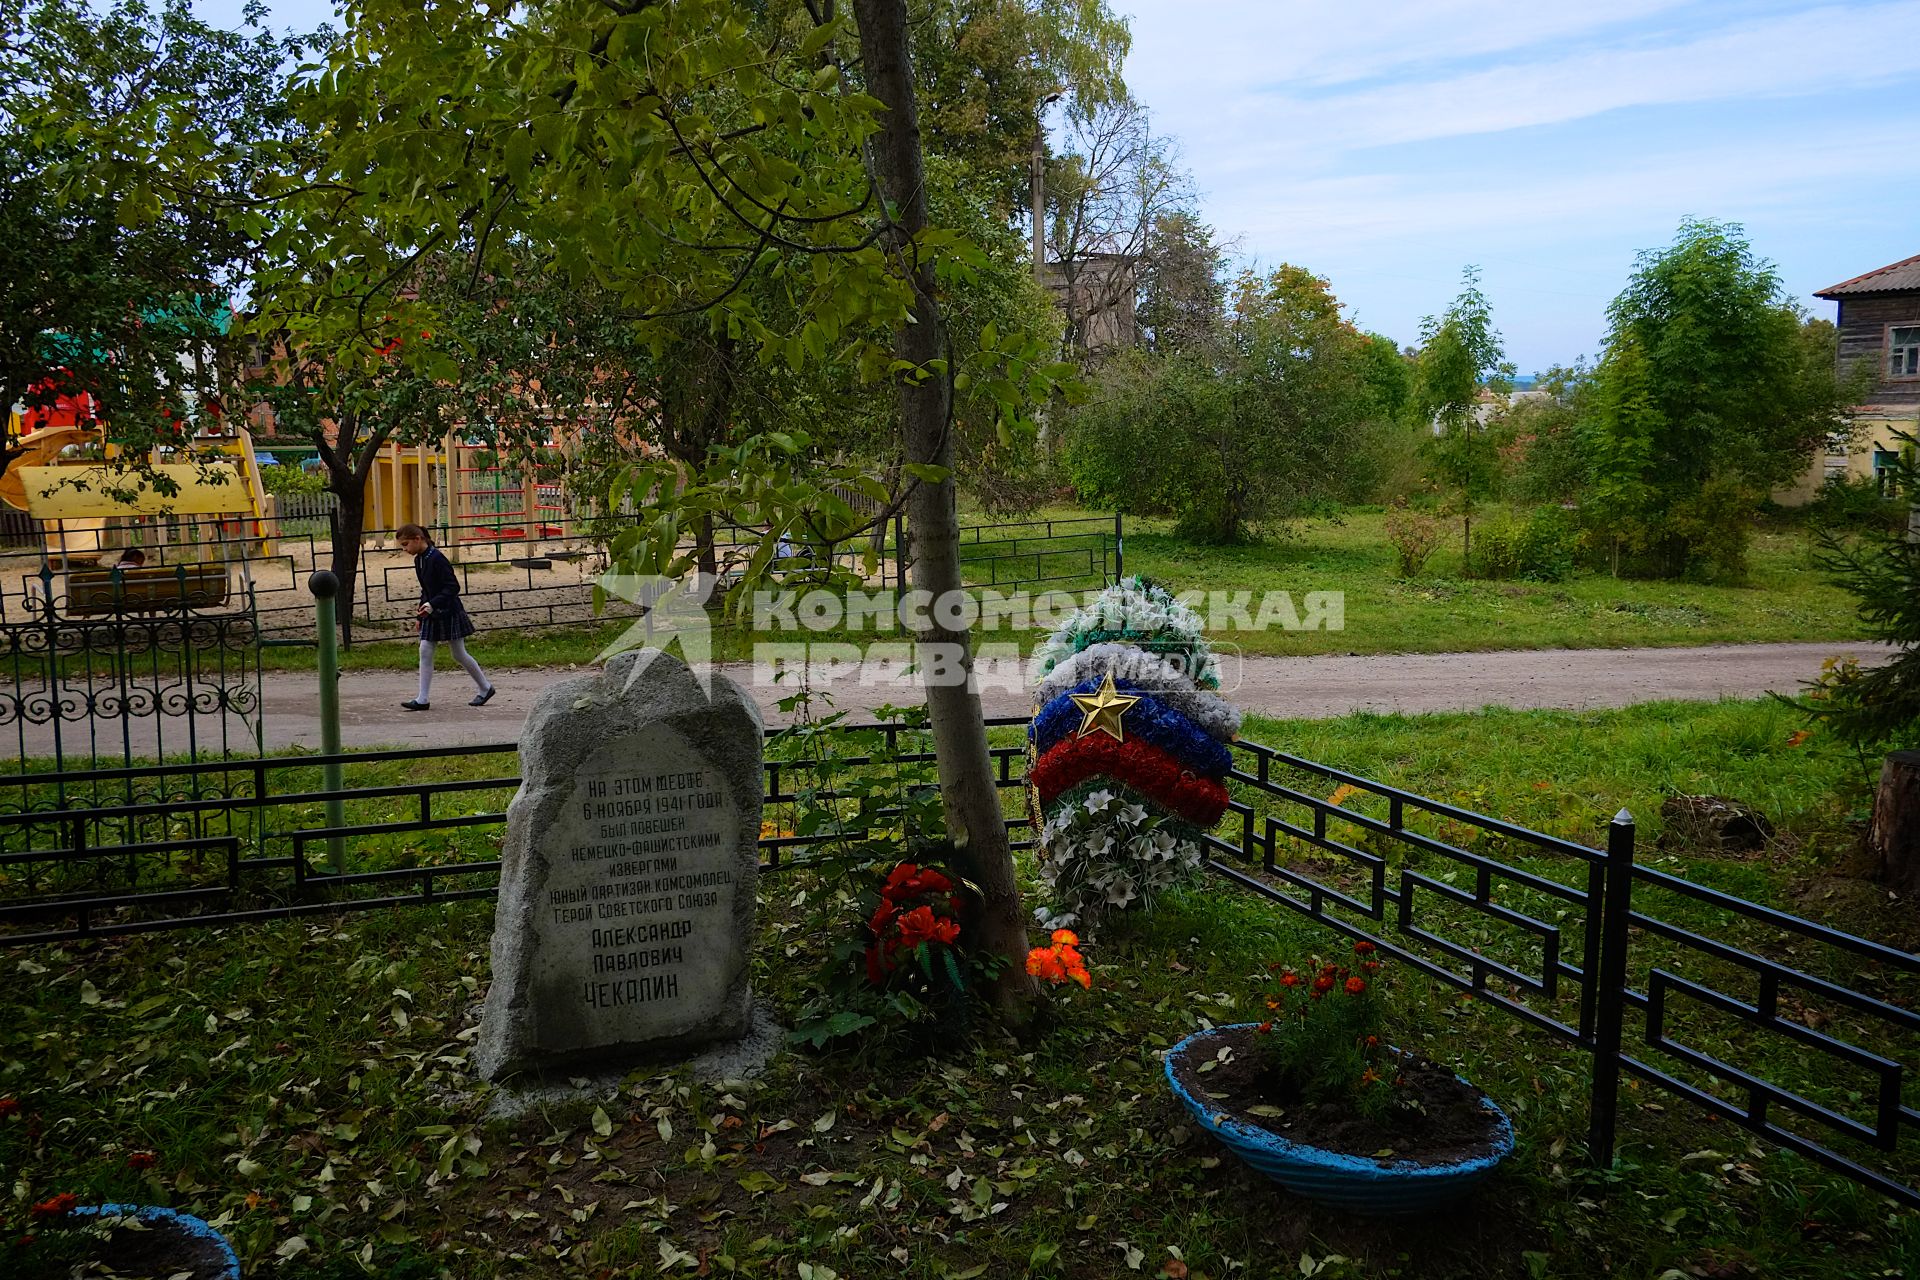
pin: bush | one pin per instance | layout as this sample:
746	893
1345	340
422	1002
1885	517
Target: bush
1415	536
1843	503
290	479
1706	535
1541	548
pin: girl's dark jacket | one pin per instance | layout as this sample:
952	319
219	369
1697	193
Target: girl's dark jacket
440	588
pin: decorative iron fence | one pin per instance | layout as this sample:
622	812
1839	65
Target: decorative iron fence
1675	983
125	668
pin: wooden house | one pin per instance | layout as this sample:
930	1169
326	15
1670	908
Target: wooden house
1879	325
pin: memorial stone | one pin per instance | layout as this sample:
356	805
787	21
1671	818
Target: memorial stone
627	875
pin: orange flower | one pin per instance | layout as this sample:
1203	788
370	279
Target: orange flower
1044	962
1289	979
1061	962
1798	736
1264	1027
1355	986
1323	984
55	1206
1364	948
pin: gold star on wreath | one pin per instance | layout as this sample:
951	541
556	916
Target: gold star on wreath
1102	710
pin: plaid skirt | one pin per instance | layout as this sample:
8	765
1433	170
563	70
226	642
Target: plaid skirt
441	627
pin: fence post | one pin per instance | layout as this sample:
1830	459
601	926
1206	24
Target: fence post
1616	904
1119	555
900	549
325	586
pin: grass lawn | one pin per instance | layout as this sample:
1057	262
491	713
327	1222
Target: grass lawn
305	1084
1442	612
1438	612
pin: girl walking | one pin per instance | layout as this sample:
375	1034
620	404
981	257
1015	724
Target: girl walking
441	616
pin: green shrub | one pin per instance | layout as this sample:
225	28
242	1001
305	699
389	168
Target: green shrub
288	479
1415	535
1706	536
1540	548
1844	503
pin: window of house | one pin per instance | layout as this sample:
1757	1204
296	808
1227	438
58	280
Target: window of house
1884	461
1903	351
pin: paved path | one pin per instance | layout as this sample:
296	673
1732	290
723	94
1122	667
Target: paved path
1294	687
1288	687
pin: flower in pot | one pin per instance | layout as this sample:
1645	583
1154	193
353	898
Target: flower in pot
1319	1099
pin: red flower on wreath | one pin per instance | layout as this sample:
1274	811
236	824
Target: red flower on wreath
1140	765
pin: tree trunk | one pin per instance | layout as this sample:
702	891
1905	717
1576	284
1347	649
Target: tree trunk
944	655
1894	836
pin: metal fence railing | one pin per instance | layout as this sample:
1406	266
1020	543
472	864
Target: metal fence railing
1797	1032
1794	1031
1081	551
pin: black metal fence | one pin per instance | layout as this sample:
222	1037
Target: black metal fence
1800	1033
93	853
1083	551
1794	1031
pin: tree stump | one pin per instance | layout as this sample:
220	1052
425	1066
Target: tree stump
1894	837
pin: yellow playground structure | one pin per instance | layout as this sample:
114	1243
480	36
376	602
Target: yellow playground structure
194	513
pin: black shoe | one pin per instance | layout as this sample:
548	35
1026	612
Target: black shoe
414	704
481	699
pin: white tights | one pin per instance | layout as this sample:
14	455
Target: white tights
460	655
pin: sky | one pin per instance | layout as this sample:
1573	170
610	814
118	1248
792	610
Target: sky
1388	145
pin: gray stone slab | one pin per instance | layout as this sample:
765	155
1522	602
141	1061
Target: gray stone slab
626	910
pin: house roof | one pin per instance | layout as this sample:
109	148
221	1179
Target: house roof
1897	277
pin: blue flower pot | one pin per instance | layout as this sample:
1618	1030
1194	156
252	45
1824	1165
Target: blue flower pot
1359	1183
183	1223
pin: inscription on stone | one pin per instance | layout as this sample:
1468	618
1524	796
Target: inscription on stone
643	880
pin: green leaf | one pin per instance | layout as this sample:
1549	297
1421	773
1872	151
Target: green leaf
926	472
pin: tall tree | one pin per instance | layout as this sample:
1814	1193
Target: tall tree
1460	352
1236	433
1111	185
944	649
129	132
1182	283
1714	389
694	159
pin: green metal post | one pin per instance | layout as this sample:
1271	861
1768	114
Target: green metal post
325	587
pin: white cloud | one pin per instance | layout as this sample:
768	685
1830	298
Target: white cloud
1337	215
1199	46
1255	120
